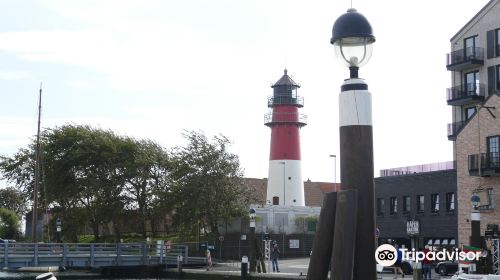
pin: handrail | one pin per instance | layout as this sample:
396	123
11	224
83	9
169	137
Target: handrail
465	90
464	55
285	117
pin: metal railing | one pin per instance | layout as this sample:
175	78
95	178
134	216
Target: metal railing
285	100
454	128
489	161
464	55
465	90
14	255
285	117
437	166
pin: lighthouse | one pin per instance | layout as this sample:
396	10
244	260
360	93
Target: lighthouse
285	186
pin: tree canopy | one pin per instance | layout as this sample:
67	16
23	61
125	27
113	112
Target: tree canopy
97	176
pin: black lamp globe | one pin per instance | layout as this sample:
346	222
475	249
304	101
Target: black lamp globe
353	39
475	200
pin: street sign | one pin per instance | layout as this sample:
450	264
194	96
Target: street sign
413	227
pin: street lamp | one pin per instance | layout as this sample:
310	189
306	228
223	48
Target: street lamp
58	229
334	169
353	39
475	218
253	264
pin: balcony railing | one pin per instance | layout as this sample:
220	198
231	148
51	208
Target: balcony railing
271	119
454	129
490	164
465	93
462	59
285	100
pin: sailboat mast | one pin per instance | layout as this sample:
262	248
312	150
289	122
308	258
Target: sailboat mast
34	218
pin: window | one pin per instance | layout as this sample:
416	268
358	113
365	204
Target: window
380	206
450	202
472	83
498	77
469	112
435	202
493	151
406	204
470	45
394	205
420	203
497	40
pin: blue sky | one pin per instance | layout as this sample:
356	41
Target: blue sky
150	69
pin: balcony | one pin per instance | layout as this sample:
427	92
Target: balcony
272	119
464	59
465	94
490	164
285	100
454	129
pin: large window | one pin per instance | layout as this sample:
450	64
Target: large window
394	205
406	204
380	206
450	202
472	83
494	151
470	47
420	203
435	202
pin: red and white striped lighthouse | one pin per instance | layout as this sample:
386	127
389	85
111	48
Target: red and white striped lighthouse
285	186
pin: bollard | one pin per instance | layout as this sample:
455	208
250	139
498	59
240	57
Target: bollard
244	268
179	263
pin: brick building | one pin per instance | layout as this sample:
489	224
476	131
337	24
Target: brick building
474	62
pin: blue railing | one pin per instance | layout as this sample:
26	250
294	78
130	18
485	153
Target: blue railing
15	255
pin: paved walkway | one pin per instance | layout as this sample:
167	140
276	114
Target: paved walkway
296	267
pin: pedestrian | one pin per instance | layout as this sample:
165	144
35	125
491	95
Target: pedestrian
209	260
397	265
275	252
427	264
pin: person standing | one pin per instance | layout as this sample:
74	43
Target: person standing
275	252
427	264
397	265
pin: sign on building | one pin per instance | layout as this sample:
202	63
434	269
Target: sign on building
294	244
413	227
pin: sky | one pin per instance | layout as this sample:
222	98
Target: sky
152	69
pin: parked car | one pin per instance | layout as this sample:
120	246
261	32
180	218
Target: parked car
446	268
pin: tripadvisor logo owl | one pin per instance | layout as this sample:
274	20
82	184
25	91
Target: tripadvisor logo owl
386	255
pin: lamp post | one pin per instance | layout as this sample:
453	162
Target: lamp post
58	229
334	169
353	39
475	222
251	251
475	218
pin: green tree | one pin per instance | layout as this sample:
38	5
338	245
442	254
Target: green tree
9	224
147	177
14	200
206	183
